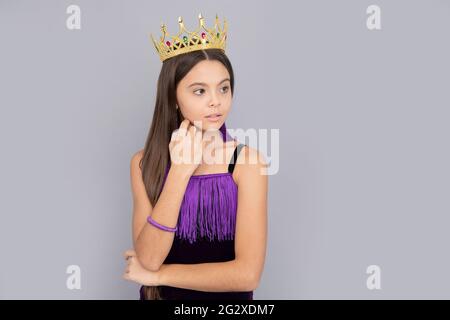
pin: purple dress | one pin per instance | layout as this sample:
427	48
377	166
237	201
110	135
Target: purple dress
206	229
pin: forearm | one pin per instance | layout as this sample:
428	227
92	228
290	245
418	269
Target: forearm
152	245
210	277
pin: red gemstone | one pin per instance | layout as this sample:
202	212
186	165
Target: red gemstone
168	43
203	35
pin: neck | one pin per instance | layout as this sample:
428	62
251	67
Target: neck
214	147
213	136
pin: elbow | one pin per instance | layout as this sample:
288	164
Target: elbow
251	275
252	281
148	262
151	266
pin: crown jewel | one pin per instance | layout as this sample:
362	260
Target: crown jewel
185	41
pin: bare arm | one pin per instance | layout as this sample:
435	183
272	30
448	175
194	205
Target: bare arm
210	277
244	272
151	244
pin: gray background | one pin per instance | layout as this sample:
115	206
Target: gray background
363	120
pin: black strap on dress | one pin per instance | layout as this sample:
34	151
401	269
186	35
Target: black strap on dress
234	158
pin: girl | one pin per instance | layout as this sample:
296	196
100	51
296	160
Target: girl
199	226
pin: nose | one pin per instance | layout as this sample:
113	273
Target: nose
215	102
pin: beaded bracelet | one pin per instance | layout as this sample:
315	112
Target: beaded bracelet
160	226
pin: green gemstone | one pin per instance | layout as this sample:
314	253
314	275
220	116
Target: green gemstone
185	39
218	34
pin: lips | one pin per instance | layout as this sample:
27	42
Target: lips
214	115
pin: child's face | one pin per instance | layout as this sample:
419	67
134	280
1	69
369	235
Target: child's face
196	101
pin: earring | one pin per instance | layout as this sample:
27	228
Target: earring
176	106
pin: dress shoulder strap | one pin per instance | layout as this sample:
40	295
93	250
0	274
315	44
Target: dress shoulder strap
234	158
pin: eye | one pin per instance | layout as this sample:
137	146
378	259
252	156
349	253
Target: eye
226	89
198	90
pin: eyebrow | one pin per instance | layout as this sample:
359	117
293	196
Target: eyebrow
204	84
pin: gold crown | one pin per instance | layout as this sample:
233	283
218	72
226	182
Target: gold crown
202	38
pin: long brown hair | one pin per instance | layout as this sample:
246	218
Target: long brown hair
167	118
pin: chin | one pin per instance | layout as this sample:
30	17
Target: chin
212	125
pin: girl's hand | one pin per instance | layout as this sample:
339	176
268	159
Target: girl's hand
186	147
137	273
